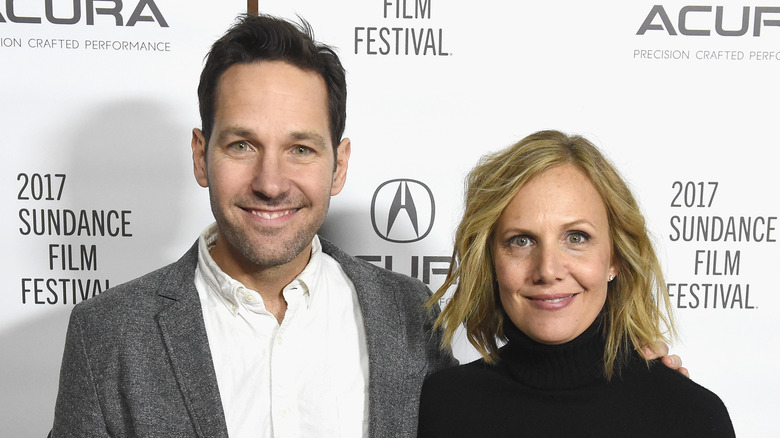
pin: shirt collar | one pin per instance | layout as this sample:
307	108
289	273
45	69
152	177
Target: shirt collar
231	290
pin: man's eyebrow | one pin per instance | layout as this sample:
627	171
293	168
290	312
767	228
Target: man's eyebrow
234	131
237	131
308	135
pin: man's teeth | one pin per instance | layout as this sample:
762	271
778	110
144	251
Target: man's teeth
558	300
273	215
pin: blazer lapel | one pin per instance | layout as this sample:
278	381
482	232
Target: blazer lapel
386	344
184	336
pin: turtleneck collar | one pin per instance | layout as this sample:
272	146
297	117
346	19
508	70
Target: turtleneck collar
570	365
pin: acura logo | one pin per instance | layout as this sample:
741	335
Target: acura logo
402	210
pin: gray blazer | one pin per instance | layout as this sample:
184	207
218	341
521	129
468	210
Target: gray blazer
137	360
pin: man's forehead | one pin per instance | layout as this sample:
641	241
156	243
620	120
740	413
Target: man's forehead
249	73
243	79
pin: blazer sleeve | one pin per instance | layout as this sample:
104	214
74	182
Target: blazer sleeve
77	412
438	356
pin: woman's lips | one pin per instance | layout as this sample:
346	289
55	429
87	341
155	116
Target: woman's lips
552	302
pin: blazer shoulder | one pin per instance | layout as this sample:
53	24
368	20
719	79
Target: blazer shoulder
170	281
364	273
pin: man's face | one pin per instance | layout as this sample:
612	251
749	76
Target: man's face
269	165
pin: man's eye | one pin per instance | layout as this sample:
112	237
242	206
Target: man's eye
301	150
240	146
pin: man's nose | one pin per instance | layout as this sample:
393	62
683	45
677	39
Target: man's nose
270	176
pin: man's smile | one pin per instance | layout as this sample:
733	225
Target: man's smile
265	214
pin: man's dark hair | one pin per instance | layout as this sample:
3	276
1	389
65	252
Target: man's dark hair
264	38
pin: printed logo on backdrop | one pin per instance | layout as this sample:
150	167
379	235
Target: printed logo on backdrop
403	211
755	28
719	248
406	30
95	15
73	268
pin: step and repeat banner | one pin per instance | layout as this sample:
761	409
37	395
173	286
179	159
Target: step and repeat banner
99	97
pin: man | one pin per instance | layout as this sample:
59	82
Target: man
261	328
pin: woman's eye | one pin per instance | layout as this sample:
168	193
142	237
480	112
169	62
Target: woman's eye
577	237
520	241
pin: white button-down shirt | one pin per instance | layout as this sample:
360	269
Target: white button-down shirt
305	377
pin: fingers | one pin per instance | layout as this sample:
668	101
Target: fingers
674	362
659	349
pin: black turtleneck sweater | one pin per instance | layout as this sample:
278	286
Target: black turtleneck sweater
548	391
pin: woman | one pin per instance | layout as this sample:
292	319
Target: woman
553	257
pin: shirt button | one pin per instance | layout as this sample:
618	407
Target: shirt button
283	412
279	340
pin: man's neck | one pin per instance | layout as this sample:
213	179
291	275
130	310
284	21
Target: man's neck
268	281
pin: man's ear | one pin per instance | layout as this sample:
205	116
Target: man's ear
199	157
342	162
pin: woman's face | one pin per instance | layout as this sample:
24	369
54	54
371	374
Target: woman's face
553	255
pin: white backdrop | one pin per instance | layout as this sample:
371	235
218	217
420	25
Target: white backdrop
683	99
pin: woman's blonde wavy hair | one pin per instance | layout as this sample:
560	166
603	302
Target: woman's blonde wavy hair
637	301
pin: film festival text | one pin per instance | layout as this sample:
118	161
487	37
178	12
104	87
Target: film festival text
399	37
722	246
72	264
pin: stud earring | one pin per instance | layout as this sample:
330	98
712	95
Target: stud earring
611	277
